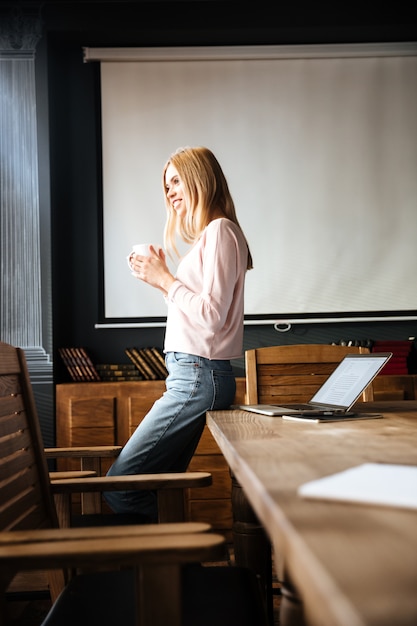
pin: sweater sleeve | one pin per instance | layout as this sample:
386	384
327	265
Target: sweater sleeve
205	295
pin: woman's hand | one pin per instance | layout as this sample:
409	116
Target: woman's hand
152	269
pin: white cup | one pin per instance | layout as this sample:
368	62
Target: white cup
143	250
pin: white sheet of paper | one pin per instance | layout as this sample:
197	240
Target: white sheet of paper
370	483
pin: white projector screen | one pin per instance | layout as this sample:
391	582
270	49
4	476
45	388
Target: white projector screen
319	146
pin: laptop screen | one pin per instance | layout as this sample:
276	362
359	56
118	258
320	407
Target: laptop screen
349	379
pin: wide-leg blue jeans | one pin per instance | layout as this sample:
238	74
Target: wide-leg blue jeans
167	437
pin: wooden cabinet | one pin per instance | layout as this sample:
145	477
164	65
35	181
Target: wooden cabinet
395	387
107	413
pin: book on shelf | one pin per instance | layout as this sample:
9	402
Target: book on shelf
115	367
122	379
149	362
79	364
156	361
161	357
396	347
142	365
403	356
113	372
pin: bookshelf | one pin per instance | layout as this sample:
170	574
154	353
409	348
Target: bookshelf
144	364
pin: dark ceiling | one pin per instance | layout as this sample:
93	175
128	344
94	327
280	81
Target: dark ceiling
209	22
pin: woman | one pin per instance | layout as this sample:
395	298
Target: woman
204	329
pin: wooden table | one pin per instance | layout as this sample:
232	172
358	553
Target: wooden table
352	564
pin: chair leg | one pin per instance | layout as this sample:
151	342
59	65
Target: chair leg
63	509
91	501
159	595
171	505
57	580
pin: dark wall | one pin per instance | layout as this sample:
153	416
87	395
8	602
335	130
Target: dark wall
74	148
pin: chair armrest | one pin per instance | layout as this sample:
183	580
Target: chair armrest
83	452
169	488
43	535
128	550
90	458
90	461
71	474
132	482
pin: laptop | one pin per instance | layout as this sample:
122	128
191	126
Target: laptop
338	393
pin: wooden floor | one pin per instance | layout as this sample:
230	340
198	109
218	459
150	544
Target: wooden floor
31	611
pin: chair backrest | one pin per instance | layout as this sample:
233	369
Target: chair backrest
276	374
26	501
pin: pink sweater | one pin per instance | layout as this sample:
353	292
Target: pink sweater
205	303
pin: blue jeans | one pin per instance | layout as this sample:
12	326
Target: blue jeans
168	435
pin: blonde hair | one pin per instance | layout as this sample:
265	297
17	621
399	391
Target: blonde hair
207	194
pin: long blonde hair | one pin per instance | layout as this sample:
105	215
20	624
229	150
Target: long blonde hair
207	194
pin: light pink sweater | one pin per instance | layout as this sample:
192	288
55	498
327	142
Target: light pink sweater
205	303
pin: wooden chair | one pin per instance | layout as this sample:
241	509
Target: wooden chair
154	582
159	579
278	374
16	391
20	425
90	464
292	373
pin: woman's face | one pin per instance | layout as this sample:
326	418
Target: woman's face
175	191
